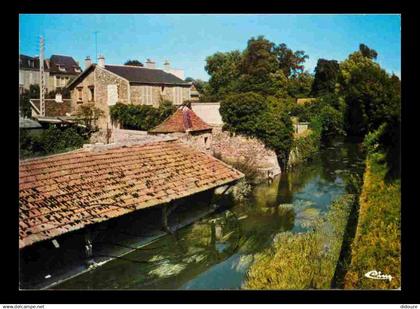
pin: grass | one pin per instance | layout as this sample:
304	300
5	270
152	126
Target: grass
377	241
305	260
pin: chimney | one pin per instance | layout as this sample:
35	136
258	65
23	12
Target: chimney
150	64
58	98
88	62
101	61
166	66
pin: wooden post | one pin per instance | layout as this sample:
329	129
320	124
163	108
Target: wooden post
165	214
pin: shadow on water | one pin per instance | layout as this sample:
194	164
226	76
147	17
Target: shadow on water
216	252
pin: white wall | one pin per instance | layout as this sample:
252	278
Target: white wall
209	112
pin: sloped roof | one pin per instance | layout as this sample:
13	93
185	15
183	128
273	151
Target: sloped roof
66	192
183	120
136	74
27	123
30	63
68	63
53	108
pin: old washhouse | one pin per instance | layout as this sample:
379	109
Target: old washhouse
75	204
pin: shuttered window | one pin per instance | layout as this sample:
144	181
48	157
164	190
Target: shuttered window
147	95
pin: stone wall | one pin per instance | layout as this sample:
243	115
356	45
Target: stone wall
100	79
208	111
241	149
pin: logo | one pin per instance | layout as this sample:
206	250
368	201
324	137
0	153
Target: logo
373	274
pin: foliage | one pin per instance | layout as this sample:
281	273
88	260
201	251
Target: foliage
371	95
254	115
275	129
290	62
377	241
262	67
223	68
367	52
326	77
50	141
302	261
299	86
258	59
140	117
304	147
329	122
240	111
133	62
88	115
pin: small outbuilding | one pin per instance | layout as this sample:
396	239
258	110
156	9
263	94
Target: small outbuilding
185	124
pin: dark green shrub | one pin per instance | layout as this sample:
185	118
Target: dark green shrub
52	140
240	112
140	117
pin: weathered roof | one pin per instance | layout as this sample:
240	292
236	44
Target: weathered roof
136	74
69	65
27	123
52	107
183	120
66	192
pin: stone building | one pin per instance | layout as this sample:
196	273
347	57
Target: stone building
187	126
58	71
104	85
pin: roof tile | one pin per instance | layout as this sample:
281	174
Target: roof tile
65	192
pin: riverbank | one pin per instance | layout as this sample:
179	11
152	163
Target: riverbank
304	260
377	244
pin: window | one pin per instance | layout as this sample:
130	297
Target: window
147	95
79	94
61	68
91	93
177	95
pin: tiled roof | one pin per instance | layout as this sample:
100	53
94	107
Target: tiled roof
183	120
135	74
66	192
53	108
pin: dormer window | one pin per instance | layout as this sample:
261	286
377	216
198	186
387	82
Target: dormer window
61	68
77	69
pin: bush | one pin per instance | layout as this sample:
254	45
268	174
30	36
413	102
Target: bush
262	117
377	243
50	141
240	111
140	117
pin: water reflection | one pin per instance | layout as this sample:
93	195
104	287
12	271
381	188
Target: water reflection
216	252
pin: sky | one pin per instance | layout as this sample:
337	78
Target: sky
186	40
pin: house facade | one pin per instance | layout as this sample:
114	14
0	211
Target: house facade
58	71
105	85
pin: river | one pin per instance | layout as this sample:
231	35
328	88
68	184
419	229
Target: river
216	252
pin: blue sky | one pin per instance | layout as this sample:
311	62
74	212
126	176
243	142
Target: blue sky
186	40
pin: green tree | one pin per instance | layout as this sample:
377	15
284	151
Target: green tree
326	76
367	52
223	68
133	62
300	85
239	112
372	96
258	59
290	62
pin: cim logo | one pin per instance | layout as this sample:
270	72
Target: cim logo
373	274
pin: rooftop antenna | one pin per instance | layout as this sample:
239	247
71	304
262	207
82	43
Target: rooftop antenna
41	77
96	46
